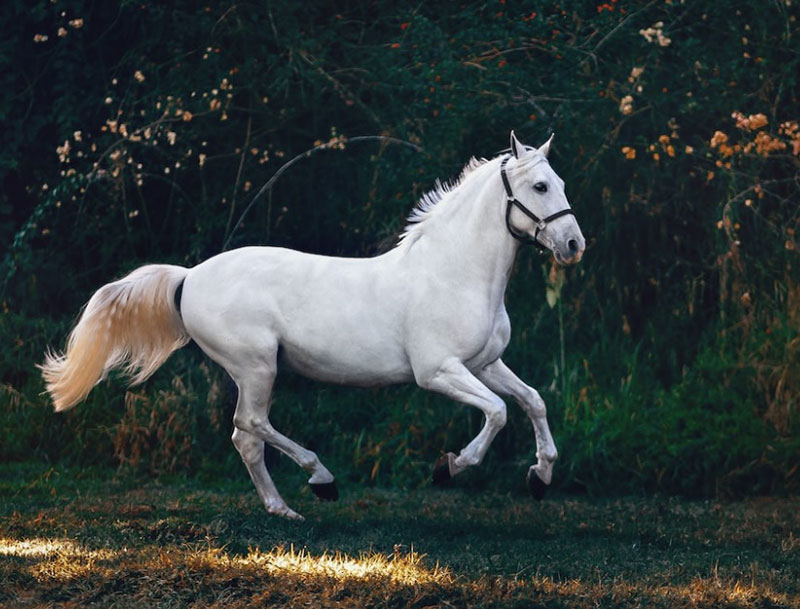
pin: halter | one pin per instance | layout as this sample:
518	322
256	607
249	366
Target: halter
541	223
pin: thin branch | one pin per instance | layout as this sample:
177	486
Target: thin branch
619	26
242	158
303	155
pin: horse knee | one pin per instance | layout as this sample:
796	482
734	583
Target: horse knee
536	406
497	415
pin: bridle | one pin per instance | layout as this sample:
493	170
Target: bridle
541	223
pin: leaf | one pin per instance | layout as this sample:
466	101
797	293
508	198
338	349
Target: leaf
555	282
552	296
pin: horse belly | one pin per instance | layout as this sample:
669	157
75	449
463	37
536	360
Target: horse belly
349	358
346	330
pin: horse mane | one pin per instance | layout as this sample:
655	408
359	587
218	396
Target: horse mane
428	201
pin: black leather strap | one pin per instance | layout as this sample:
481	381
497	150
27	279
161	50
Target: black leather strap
541	223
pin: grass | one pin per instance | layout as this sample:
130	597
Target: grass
96	538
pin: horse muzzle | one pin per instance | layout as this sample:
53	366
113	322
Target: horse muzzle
570	250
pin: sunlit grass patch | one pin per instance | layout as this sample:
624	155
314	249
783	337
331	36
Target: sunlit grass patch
403	568
33	547
51	548
55	559
135	545
61	568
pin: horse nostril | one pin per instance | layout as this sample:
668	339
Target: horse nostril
573	246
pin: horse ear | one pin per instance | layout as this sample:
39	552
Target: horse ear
545	149
517	148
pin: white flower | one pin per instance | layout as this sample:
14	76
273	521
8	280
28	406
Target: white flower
656	34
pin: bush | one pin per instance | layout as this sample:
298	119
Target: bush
139	133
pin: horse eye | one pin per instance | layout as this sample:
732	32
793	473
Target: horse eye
540	187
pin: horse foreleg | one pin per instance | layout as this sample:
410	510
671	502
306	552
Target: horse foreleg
456	382
501	379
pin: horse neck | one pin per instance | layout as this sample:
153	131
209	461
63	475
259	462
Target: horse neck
468	237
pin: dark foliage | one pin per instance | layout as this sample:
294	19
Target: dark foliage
139	132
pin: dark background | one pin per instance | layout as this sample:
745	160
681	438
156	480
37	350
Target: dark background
669	358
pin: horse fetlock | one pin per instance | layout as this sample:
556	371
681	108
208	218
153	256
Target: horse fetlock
284	511
310	462
465	460
321	476
543	472
547	455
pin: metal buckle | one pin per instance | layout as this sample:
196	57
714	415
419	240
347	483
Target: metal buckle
541	225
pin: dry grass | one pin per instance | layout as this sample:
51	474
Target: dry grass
176	546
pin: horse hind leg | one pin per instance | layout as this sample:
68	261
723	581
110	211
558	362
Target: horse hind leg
251	449
252	420
321	481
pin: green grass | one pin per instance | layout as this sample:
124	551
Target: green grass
96	538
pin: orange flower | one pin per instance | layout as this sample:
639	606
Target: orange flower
718	138
749	123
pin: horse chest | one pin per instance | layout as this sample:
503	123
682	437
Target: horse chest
495	342
475	331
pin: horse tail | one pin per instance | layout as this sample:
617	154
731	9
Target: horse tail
133	323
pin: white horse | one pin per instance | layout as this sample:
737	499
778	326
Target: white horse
431	311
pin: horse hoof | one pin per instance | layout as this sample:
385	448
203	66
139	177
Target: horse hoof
442	469
326	491
535	485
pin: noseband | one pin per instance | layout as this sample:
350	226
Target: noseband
541	223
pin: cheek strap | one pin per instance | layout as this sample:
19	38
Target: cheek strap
541	223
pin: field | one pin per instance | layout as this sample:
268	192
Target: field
100	538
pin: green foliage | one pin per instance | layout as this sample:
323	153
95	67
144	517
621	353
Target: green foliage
139	133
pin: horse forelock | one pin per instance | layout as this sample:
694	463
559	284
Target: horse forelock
530	160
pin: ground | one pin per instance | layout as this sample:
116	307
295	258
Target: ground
100	538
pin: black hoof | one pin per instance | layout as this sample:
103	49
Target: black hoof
441	471
326	491
536	486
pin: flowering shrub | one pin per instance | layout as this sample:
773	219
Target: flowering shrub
138	133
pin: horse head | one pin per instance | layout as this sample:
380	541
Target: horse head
538	210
